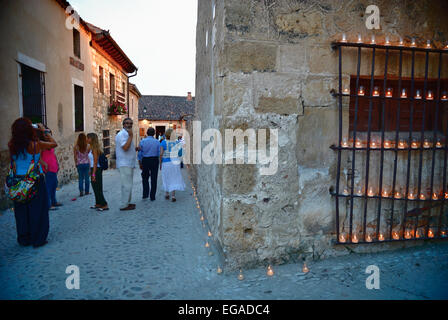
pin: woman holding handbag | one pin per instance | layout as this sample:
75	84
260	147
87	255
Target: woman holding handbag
31	213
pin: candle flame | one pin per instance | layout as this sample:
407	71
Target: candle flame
202	218
241	276
387	144
355	238
395	235
430	234
408	235
219	270
385	193
270	272
381	237
207	244
369	238
439	144
209	234
342	238
435	196
397	195
305	268
422	196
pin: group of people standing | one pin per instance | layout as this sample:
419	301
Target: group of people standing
31	144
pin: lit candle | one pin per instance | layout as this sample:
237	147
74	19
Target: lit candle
417	234
397	195
346	91
443	233
428	44
402	144
395	235
411	195
359	191
427	144
444	96
418	95
270	272
361	91
371	193
401	43
209	234
358	143
342	238
422	196
373	39
355	238
403	93
387	43
202	218
446	47
446	195
373	145
359	38
305	268
408	235
429	95
241	276
435	196
369	238
414	144
413	44
376	91
389	93
207	245
385	193
344	143
344	38
381	237
345	192
430	234
387	144
219	270
439	144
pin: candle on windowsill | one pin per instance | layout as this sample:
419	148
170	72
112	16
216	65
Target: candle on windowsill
407	235
372	41
376	92
417	234
359	191
361	91
428	44
402	144
415	144
397	195
344	143
443	233
345	192
385	193
387	144
401	43
439	144
369	238
427	144
381	237
371	192
422	196
444	96
359	38
395	235
411	195
346	91
374	144
418	95
342	238
413	44
403	94
355	238
344	38
435	196
389	93
387	43
305	268
358	143
429	96
446	195
430	234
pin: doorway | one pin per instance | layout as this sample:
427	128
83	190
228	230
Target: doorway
160	131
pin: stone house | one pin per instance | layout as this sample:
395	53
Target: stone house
164	112
49	63
275	65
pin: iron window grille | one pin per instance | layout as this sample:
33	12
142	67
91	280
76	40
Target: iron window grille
404	136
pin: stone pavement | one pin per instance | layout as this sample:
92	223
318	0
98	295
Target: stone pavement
158	252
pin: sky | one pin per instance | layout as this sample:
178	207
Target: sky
159	36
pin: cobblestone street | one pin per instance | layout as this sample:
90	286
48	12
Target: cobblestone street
158	252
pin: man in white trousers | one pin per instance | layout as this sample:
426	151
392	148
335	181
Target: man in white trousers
126	159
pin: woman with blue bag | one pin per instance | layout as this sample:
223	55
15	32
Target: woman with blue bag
26	182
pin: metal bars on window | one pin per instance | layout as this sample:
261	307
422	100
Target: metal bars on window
391	181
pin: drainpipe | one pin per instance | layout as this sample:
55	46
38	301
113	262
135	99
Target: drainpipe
133	75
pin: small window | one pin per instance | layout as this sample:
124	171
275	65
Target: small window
106	142
79	108
112	87
101	80
76	43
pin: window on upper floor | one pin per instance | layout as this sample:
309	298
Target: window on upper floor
76	43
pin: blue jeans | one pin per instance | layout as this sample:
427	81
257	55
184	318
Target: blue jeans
83	172
51	179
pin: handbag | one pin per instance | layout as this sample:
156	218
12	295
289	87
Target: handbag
23	189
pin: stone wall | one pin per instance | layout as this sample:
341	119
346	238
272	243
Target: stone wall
269	64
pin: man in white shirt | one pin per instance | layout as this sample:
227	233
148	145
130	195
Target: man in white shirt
126	159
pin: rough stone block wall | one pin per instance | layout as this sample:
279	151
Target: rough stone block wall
269	64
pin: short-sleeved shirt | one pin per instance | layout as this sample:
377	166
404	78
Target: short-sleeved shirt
49	158
149	147
124	158
170	151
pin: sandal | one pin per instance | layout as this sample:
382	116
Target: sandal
94	207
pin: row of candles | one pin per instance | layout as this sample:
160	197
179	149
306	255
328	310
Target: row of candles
387	42
403	94
270	270
408	234
389	144
398	194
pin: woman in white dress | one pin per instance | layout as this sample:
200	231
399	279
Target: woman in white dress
170	166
